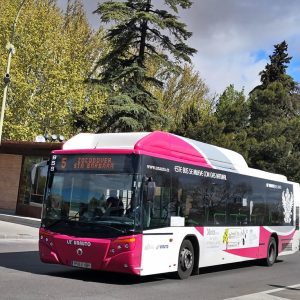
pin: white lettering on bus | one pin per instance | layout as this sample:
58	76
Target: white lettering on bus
201	173
162	169
79	243
274	186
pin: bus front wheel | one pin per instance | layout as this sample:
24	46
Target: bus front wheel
186	260
271	252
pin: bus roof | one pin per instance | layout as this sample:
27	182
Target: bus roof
170	146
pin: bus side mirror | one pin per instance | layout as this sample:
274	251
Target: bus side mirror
33	174
151	186
34	169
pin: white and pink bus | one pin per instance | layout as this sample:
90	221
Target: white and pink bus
149	203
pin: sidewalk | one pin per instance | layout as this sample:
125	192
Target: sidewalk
16	227
32	222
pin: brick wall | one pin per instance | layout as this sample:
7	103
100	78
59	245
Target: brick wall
10	169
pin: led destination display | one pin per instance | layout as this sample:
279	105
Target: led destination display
120	163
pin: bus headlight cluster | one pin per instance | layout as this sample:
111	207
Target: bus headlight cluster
122	244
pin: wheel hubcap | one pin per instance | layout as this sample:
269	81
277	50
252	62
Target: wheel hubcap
186	259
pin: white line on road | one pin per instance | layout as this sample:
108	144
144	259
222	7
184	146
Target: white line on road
265	295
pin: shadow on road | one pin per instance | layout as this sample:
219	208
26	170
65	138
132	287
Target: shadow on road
234	266
29	261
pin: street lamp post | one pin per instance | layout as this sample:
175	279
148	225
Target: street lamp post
11	50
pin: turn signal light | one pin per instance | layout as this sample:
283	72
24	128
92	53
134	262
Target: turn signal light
124	240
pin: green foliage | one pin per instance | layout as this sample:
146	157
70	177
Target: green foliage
233	110
207	129
276	69
224	124
124	115
274	147
54	54
278	95
274	119
138	32
272	103
183	94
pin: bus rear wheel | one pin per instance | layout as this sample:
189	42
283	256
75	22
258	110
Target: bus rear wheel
186	260
271	253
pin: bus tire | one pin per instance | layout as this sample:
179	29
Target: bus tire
186	260
271	253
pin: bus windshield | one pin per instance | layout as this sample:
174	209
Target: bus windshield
91	204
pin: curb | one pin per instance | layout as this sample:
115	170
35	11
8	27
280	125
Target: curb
19	237
20	220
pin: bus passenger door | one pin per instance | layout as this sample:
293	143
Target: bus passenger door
157	234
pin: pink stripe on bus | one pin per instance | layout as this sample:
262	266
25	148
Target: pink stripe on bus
158	144
168	146
200	230
261	251
93	151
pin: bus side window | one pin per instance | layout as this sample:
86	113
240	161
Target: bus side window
155	212
238	210
219	218
257	210
216	203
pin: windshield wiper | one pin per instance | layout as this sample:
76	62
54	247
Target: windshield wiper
110	227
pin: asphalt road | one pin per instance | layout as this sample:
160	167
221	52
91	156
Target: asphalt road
23	276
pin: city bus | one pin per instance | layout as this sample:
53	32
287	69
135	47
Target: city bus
154	202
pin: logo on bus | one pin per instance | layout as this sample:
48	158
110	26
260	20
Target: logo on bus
287	203
79	251
162	247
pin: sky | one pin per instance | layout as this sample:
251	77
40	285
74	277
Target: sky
234	38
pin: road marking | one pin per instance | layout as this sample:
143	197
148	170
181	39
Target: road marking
266	295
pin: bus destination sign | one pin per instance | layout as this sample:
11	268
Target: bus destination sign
95	163
90	163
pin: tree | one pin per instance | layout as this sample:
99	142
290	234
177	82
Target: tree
138	33
54	54
182	94
271	146
272	104
276	69
204	128
232	109
274	118
278	95
84	48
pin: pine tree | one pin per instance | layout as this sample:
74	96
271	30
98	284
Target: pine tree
140	33
274	118
276	69
278	95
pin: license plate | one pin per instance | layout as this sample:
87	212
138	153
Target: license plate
81	264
